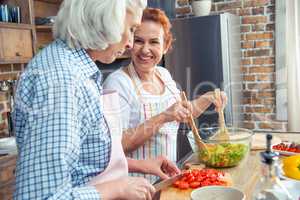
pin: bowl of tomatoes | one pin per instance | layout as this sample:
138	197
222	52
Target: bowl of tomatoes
219	152
287	148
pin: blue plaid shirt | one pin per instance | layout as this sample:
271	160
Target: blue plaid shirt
62	137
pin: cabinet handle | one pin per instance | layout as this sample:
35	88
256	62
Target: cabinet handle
18	54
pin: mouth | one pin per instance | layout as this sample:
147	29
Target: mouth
119	53
145	58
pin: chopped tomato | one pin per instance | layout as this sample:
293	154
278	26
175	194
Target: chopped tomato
195	184
198	178
183	185
176	183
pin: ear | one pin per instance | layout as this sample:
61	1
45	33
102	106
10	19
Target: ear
166	49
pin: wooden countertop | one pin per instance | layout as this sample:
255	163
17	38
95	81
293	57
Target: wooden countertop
246	175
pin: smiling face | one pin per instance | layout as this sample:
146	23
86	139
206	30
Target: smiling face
148	47
115	50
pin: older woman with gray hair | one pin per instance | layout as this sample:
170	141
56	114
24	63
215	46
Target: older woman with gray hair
68	144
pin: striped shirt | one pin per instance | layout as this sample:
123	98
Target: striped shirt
138	105
62	137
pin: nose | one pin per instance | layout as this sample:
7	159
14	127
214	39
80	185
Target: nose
145	48
129	43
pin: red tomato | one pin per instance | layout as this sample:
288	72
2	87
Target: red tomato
198	178
184	178
176	183
195	184
195	173
183	185
190	178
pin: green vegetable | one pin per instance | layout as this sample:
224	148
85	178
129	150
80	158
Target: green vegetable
223	155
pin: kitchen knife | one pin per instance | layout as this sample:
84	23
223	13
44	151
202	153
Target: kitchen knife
166	183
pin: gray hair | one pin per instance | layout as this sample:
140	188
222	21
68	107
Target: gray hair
93	24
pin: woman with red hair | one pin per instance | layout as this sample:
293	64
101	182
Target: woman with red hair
152	108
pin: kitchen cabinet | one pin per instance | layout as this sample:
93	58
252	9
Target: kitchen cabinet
16	45
45	8
7	176
18	39
21	41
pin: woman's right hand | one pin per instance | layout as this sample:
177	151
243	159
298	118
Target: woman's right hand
136	188
179	111
126	188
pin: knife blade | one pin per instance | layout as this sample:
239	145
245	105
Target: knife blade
166	183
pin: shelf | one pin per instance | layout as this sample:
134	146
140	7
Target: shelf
43	28
51	1
14	61
15	25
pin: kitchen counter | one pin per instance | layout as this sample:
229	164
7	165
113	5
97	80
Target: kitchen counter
246	175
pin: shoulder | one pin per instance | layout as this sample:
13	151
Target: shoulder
55	62
164	73
50	69
118	80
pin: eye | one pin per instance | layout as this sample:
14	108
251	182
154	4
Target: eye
133	29
137	40
155	42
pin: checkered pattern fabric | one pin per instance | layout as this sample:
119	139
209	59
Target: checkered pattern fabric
62	137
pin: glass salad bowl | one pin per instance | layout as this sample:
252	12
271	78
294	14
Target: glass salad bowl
222	153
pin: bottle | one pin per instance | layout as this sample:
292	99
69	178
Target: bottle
269	186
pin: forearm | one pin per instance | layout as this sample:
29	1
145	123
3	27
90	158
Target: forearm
135	137
109	190
199	105
136	165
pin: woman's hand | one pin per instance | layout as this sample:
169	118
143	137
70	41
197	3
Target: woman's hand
136	188
219	103
127	188
179	111
161	167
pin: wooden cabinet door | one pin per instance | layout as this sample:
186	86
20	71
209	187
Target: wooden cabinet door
16	45
7	176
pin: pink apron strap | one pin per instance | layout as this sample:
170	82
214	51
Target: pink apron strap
118	166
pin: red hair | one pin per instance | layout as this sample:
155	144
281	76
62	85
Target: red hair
158	16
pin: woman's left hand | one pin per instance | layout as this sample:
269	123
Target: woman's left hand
161	167
219	103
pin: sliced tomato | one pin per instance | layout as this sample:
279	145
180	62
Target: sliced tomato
198	178
183	185
195	184
176	184
190	178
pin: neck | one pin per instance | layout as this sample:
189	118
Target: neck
145	75
97	55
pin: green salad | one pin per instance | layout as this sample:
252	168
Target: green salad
223	155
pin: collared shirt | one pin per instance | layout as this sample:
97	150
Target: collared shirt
62	137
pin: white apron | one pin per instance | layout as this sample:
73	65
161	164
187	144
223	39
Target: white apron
118	166
165	141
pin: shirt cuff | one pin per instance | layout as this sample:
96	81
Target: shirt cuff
86	192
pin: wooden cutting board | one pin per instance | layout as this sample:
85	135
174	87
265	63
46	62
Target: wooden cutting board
172	193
